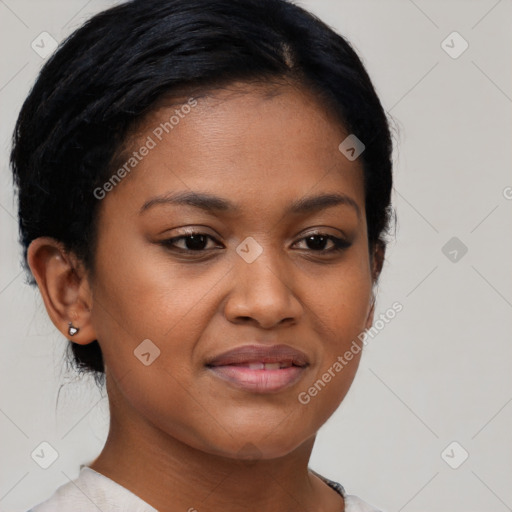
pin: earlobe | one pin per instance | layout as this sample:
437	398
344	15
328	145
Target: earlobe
72	330
64	287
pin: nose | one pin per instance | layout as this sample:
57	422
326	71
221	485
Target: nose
262	294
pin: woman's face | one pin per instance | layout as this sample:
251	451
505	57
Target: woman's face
259	182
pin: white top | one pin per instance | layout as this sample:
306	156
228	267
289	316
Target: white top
92	492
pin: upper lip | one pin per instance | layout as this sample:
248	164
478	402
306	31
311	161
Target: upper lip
260	354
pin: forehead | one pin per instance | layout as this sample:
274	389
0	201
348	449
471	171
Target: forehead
253	143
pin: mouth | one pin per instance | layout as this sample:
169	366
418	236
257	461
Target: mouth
260	368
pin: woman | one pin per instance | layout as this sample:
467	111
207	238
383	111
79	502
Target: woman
204	190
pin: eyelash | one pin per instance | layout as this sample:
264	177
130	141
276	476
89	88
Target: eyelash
339	244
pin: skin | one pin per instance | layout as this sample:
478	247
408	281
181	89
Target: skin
179	436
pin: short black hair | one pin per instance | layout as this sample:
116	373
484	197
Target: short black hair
112	71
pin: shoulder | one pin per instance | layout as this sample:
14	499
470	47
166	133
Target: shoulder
352	503
355	504
90	492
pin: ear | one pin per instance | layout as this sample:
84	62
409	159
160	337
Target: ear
64	287
376	261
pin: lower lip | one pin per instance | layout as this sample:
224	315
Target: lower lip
259	381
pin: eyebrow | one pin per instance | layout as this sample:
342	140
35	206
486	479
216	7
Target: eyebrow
214	204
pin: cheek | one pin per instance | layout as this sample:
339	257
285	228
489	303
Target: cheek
147	294
341	302
155	316
340	311
139	295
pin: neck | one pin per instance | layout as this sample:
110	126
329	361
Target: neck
171	475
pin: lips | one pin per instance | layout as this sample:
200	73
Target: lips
251	354
260	368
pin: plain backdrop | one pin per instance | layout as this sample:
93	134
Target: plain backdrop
426	425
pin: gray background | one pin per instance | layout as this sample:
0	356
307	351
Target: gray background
437	373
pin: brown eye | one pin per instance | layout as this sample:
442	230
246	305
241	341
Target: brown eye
196	242
324	243
193	242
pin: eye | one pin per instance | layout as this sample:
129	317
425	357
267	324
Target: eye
320	242
201	242
191	242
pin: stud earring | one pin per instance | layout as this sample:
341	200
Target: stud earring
72	330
